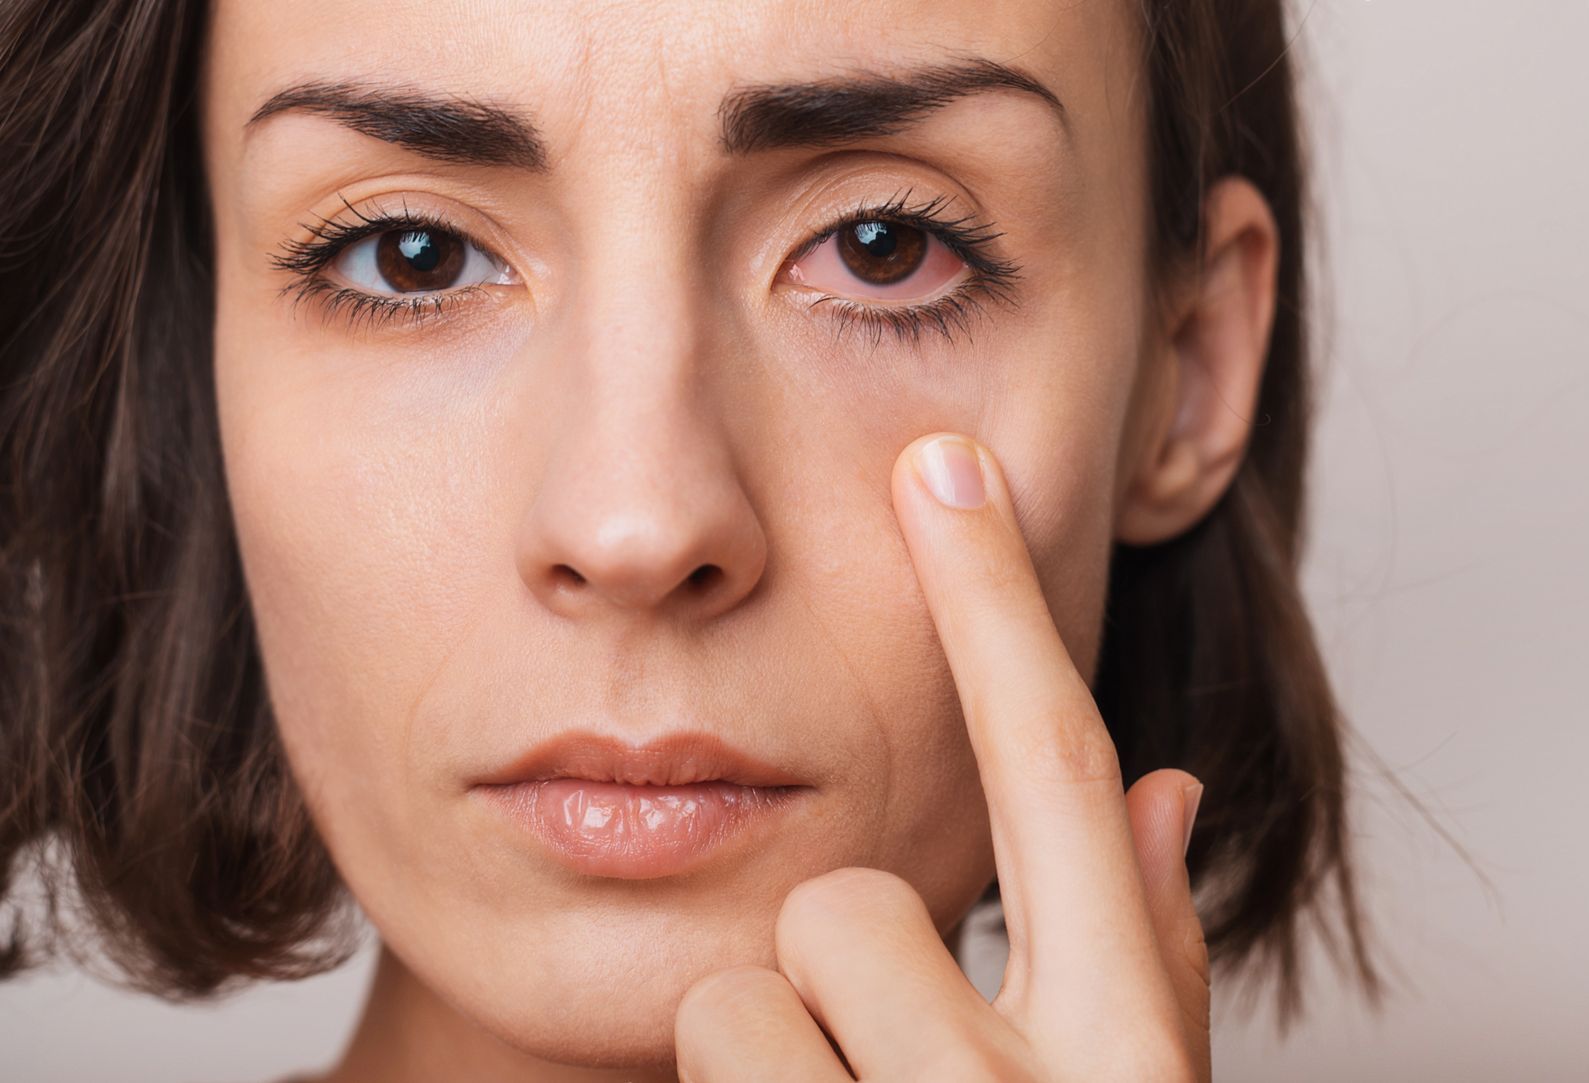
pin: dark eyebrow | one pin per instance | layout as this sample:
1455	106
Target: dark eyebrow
447	128
838	110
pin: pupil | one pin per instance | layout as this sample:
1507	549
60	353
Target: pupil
877	239
882	253
420	260
419	250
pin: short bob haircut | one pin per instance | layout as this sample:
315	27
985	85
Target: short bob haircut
137	745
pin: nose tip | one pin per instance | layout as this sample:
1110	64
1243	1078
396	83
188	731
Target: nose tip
636	542
628	577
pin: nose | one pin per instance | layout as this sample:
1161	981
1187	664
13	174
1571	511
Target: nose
639	507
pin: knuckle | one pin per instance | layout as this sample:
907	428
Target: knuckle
844	892
840	907
716	1008
1070	751
720	996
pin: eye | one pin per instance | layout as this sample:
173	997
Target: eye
418	260
877	259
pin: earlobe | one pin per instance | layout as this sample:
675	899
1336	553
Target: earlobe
1214	356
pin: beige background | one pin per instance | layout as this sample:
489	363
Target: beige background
1450	520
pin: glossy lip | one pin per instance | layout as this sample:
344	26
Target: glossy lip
674	759
609	829
606	808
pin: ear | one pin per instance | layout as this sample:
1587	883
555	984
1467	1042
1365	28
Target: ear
1208	367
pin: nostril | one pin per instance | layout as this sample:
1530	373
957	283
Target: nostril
700	580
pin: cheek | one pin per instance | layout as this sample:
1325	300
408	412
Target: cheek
1055	423
359	534
1061	478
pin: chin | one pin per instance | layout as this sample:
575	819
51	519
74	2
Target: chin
595	1017
599	985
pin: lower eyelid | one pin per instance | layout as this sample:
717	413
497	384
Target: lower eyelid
948	317
358	309
953	313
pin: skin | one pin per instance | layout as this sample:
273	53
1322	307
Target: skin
653	394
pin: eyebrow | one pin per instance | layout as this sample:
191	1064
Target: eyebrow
444	127
863	106
752	118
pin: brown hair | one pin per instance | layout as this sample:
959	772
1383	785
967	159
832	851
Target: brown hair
135	728
1238	694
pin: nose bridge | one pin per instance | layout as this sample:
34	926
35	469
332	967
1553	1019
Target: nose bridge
637	304
639	505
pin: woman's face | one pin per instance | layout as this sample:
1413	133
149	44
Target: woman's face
470	522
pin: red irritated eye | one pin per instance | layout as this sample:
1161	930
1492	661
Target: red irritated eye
879	260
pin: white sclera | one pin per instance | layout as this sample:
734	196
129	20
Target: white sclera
356	264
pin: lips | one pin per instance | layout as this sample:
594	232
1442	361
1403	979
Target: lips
605	808
676	759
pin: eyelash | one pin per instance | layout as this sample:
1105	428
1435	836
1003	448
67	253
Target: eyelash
306	261
991	278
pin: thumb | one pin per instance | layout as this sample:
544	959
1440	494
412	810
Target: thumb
1162	806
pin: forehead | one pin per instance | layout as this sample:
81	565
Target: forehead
627	71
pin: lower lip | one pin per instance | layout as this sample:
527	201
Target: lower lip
637	832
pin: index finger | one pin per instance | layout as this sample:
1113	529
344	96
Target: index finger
1082	946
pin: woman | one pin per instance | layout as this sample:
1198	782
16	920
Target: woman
466	460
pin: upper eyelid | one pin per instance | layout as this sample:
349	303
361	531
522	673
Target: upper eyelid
330	237
896	205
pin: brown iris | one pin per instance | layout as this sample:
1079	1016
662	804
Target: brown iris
881	253
416	260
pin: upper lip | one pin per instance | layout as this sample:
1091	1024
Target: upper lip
675	759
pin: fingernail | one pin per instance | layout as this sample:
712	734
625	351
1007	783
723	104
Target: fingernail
952	471
1194	796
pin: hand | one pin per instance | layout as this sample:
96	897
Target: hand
1107	976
